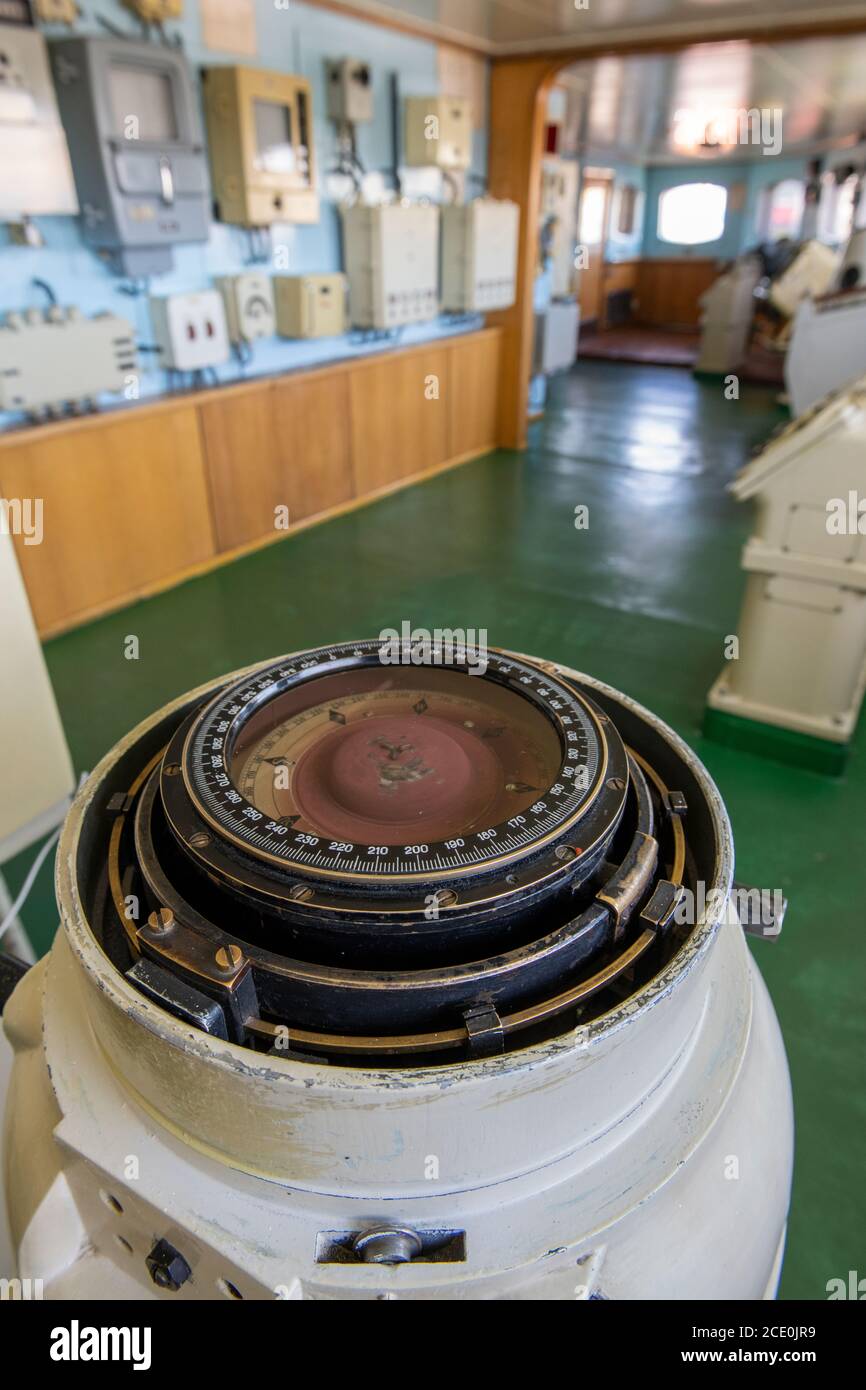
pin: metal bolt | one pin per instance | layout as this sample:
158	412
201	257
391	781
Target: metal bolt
616	784
168	1268
300	893
162	920
387	1245
199	839
171	769
445	897
565	852
228	958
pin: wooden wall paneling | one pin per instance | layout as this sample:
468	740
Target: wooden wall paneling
247	463
311	416
125	506
474	381
668	290
399	428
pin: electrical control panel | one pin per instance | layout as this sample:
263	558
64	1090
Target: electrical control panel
57	358
310	306
190	330
249	304
56	11
479	255
349	84
392	262
131	117
155	11
36	175
438	131
260	135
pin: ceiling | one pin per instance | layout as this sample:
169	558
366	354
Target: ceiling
658	108
514	26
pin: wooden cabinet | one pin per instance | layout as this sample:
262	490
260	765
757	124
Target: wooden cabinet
134	501
400	414
311	419
125	507
668	291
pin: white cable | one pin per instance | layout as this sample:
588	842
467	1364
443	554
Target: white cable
29	881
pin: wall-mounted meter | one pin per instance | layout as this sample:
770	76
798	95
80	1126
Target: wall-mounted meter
392	261
310	306
479	255
260	133
155	11
35	176
58	358
438	131
349	85
249	305
131	117
190	330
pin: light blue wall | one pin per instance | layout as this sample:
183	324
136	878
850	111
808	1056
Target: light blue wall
622	247
297	39
740	224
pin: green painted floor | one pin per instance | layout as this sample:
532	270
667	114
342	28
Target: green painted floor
643	599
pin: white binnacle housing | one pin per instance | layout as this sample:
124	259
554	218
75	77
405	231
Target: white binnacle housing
646	1154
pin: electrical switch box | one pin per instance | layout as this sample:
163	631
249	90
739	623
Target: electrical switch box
438	131
260	132
58	358
131	116
36	174
350	91
155	11
249	304
310	306
392	262
479	255
190	330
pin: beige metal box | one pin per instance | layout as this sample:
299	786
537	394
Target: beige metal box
479	255
438	132
310	306
392	261
260	129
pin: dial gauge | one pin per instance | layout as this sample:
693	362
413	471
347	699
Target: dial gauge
347	766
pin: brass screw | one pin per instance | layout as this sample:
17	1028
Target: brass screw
162	920
199	839
228	958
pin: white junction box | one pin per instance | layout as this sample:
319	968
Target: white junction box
249	304
310	306
57	358
438	132
827	350
36	170
190	330
479	254
802	631
392	262
727	312
350	90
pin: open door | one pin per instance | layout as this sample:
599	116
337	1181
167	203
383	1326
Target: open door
592	225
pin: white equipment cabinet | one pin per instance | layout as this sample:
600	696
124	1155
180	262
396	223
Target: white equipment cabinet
802	632
392	263
556	333
438	132
812	272
36	169
310	306
727	311
827	349
479	255
37	779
